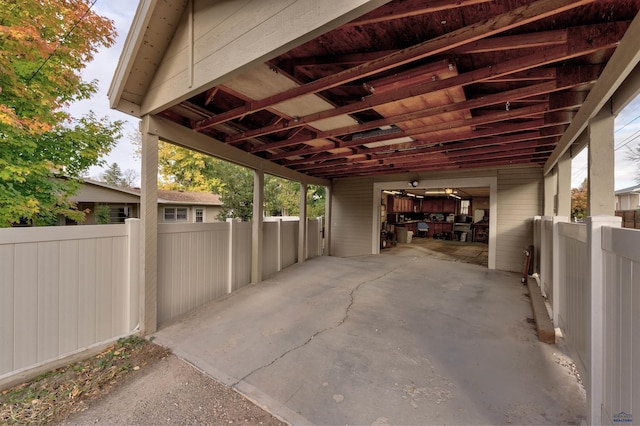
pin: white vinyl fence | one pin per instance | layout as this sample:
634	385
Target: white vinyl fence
621	387
64	289
597	294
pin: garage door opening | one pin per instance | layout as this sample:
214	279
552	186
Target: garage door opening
447	222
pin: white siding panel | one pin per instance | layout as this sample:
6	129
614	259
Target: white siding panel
103	293
68	296
25	312
242	255
519	199
289	243
270	248
6	307
351	221
87	293
48	305
119	289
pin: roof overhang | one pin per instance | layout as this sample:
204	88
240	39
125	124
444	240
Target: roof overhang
320	90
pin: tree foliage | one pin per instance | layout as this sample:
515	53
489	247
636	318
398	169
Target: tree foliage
44	45
114	176
183	169
579	201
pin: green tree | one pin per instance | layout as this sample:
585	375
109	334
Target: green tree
579	201
183	169
113	176
44	45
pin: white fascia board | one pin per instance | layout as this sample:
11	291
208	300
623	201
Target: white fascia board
132	44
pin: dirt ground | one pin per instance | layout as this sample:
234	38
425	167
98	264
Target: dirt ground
172	392
134	382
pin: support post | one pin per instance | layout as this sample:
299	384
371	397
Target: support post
149	232
601	164
550	192
279	244
564	185
133	258
256	229
231	270
328	198
302	224
555	269
595	364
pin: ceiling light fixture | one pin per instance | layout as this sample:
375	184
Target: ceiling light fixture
414	183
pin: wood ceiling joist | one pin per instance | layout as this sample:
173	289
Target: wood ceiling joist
430	139
520	41
505	149
409	8
522	68
522	138
507	21
439	163
570	77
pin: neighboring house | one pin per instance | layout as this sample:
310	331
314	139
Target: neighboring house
180	206
123	203
628	198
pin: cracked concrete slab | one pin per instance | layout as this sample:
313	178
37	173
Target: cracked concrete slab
398	338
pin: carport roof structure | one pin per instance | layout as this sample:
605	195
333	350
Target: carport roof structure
409	86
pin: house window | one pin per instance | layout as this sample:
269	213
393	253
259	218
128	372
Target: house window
199	216
175	214
118	214
464	206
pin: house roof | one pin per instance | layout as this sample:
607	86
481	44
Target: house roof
628	190
411	86
164	196
193	198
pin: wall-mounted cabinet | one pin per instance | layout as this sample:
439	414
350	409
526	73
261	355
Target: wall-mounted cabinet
439	205
400	204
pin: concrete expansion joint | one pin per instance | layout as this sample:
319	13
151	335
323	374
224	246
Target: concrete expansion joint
317	333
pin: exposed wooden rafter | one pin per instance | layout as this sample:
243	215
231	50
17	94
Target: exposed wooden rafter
504	22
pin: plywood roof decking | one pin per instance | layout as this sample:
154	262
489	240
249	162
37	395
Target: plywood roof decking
419	85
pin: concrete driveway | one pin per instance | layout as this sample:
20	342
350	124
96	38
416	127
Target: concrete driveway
398	338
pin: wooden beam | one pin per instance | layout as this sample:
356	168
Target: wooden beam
491	150
465	105
410	8
520	41
520	16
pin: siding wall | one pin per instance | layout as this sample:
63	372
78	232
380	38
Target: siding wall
351	218
520	193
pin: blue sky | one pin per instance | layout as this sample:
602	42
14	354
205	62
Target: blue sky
627	133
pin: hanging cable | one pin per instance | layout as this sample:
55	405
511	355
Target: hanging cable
73	27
